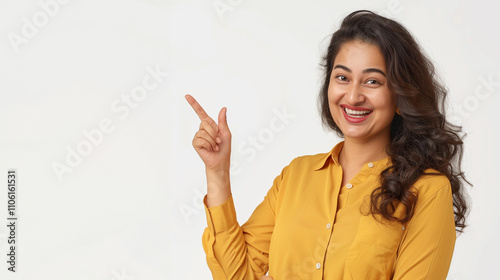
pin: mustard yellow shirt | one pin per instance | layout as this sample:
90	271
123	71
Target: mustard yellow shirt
311	227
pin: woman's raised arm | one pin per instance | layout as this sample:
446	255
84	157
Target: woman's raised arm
212	142
233	252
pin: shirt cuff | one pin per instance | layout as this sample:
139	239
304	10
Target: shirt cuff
222	217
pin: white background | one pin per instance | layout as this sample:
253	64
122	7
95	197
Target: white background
131	207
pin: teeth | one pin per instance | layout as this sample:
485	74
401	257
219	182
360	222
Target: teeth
355	113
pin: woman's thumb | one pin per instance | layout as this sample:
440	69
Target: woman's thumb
223	120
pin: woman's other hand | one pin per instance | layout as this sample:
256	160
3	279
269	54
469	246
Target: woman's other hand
266	278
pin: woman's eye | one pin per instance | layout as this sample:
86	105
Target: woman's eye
373	82
341	78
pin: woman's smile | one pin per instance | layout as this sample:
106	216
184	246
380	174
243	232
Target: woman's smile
355	114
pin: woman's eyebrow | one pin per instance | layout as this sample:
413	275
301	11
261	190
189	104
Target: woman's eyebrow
367	70
342	67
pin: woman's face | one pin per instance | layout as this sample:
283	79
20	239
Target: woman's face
360	101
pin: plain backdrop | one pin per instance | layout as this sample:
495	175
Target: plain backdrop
93	118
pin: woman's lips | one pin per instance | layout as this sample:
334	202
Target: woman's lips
355	114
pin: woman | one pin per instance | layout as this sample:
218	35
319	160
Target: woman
385	203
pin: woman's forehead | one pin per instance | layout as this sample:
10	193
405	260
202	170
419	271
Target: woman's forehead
358	55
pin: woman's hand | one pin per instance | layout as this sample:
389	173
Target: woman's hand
212	142
266	278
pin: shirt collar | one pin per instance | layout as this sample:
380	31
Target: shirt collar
333	154
376	166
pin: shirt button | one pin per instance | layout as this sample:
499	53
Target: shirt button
348	186
328	226
318	265
403	228
370	165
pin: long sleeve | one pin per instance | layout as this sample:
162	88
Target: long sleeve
427	249
240	252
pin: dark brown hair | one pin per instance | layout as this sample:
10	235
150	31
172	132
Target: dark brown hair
421	137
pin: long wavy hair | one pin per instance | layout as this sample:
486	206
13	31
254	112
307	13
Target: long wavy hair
421	137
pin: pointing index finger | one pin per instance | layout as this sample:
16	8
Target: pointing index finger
197	108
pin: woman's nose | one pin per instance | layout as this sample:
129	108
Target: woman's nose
354	95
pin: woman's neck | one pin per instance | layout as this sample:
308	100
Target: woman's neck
356	153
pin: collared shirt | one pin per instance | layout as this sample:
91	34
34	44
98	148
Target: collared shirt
310	227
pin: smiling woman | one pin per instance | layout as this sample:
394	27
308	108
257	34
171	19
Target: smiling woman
358	79
385	203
